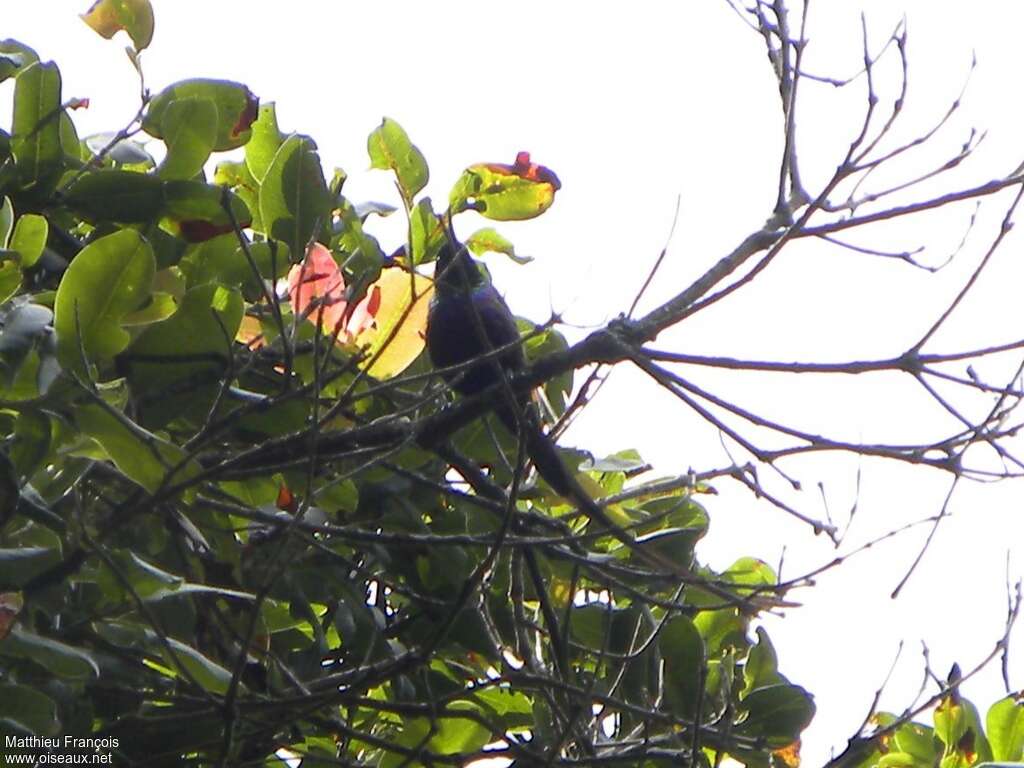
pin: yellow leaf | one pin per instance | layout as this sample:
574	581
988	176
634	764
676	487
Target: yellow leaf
397	337
789	755
108	17
250	332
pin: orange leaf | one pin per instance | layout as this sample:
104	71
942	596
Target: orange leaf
525	169
364	315
247	116
789	755
10	606
286	500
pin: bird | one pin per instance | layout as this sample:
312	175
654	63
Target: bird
473	339
469	321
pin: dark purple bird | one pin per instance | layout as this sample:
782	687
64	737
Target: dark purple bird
469	320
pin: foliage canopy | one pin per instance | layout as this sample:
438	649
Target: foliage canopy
238	518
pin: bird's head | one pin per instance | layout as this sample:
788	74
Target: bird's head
456	271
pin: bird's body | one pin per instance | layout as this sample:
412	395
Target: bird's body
469	320
453	337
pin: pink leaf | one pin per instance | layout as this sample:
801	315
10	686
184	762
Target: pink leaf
317	289
365	312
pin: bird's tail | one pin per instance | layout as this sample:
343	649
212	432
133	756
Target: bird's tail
541	450
544	455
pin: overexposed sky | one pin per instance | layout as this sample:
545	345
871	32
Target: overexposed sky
637	107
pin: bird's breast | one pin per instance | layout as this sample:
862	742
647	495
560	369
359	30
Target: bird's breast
465	326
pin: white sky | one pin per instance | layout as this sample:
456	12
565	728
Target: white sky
635	106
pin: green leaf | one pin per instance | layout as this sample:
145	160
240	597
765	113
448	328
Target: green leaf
918	741
343	496
294	201
538	345
6	222
623	461
159	307
69	141
140	455
109	278
35	142
152	583
10	63
27	710
271	259
490	240
174	367
1004	725
254	491
896	760
721	629
8	171
58	658
950	721
10	274
207	673
670	543
762	667
682	650
236	177
223	261
444	735
189	128
426	232
31	442
34	507
14	57
18	566
590	624
266	140
116	195
505	192
199	212
777	713
460	735
213	261
167	248
12	47
390	149
29	238
513	707
958	726
363	256
750	572
108	17
123	152
979	748
237	109
24	327
10	496
35	376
